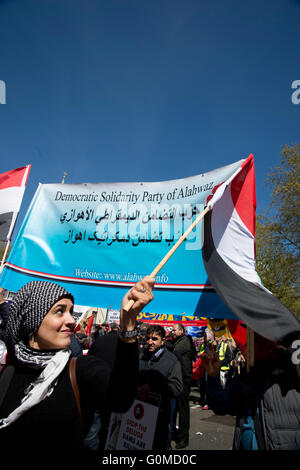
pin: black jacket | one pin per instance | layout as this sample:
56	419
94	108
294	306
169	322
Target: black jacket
273	391
184	347
54	423
162	373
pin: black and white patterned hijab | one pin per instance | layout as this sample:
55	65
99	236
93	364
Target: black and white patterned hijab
29	307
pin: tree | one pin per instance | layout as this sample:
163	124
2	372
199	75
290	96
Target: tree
278	234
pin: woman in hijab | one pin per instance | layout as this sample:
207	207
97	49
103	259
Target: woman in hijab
39	409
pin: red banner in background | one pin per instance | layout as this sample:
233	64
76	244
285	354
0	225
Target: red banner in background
89	325
238	331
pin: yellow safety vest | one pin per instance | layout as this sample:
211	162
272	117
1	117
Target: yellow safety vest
221	353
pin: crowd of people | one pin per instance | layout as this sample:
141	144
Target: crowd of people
54	371
185	370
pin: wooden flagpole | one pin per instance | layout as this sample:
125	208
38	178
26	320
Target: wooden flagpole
4	256
64	177
172	251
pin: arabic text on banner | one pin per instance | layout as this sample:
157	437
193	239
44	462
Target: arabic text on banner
99	239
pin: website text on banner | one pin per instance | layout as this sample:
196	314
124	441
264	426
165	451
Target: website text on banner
102	238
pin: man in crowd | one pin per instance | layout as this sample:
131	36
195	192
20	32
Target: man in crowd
160	373
186	350
142	328
208	339
104	329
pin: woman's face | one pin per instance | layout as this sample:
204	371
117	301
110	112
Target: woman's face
56	328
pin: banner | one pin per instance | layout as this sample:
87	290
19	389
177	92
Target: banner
135	429
97	240
113	316
197	331
164	319
12	187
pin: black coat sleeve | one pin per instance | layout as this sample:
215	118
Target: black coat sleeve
75	347
107	376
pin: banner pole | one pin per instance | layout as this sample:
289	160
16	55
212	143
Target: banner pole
4	256
172	251
106	315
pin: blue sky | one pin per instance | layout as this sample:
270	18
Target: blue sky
146	90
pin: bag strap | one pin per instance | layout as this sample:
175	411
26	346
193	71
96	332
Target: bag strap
72	373
7	372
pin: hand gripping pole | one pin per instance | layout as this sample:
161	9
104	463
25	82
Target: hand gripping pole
172	251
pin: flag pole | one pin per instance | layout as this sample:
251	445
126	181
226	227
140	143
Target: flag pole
172	251
4	256
64	177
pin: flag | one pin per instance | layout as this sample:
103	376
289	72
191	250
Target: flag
229	258
238	331
89	324
12	187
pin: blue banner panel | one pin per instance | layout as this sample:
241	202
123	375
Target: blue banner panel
100	239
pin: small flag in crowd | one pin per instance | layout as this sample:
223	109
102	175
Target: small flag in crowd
229	258
12	187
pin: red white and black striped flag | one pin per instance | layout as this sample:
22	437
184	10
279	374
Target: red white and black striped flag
12	187
229	258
